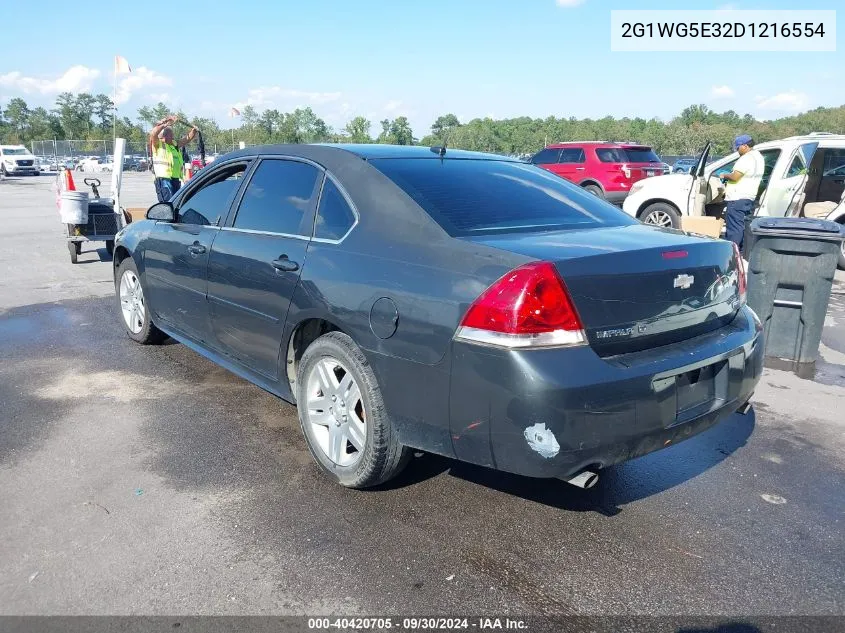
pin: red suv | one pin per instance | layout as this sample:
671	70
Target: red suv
605	169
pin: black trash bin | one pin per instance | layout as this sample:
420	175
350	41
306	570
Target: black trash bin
790	272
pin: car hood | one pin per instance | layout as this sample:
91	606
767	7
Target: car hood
668	180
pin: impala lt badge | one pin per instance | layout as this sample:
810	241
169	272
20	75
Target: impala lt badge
683	281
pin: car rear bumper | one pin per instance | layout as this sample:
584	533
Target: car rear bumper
552	413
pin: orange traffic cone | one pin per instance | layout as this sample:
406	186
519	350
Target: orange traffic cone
69	178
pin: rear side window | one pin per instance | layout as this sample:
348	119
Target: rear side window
334	217
545	157
641	155
473	197
279	198
611	155
572	155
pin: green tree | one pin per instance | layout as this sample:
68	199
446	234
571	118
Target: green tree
443	126
358	130
104	112
17	115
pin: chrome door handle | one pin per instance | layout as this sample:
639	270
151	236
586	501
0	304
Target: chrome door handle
196	249
283	264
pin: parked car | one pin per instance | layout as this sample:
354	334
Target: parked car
464	304
667	168
607	170
683	165
788	162
17	160
46	164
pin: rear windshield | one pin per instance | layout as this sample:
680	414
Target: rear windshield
474	197
627	155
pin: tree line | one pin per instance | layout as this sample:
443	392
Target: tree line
90	117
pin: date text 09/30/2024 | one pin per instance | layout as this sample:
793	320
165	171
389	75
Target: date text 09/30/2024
417	624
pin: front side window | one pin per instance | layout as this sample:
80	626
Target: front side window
279	198
334	216
797	167
477	197
212	199
546	157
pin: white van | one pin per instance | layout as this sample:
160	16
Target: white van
16	160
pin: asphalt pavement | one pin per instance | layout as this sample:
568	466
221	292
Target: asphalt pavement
146	480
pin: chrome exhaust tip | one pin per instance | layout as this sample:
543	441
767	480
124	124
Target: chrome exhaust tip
585	479
744	408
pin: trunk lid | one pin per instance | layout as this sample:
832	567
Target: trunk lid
637	287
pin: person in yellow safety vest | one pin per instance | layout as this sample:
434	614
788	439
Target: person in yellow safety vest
167	157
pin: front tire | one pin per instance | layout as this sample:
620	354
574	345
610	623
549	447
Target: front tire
661	214
342	414
132	306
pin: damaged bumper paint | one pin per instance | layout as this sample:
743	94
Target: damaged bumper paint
554	412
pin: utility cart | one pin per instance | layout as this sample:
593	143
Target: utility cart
102	226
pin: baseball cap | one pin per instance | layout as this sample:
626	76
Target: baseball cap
742	139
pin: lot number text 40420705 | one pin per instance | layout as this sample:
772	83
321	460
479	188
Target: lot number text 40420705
417	624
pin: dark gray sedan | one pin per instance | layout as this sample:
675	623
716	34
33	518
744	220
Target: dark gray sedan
464	304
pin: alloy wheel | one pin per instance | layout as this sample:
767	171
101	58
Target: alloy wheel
659	218
335	410
132	301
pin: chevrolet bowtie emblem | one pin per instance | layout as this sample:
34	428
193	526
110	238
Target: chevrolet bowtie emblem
683	281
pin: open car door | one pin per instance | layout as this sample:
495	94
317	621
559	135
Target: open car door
699	188
785	197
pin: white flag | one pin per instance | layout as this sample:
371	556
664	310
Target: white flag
121	66
234	112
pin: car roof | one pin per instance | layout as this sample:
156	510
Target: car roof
338	151
597	143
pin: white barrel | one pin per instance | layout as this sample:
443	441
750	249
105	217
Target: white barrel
74	207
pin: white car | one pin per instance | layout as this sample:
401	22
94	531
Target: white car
16	160
799	170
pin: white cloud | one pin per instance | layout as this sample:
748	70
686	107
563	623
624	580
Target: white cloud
784	101
276	96
138	79
164	97
74	79
569	3
722	92
392	106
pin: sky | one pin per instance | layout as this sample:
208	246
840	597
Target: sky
388	58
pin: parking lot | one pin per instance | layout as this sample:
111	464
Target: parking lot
147	480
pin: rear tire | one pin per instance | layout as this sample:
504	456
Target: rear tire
342	414
110	247
595	190
661	214
135	313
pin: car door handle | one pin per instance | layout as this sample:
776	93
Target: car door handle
196	249
580	169
284	264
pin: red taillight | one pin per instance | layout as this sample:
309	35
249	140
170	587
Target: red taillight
740	272
528	307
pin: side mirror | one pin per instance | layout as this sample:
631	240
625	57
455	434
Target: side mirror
163	211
